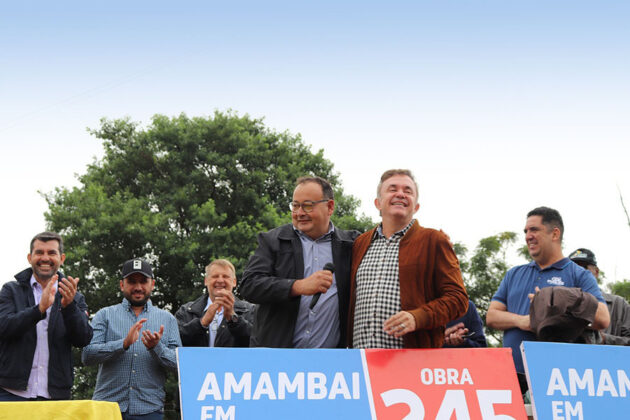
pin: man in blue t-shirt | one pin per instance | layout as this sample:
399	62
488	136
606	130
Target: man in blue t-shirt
509	309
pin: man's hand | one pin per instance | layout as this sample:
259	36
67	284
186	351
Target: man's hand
499	318
208	316
68	289
225	299
454	336
318	282
531	295
400	324
150	339
48	295
133	334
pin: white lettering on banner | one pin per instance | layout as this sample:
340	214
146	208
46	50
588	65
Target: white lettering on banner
210	387
569	411
454	401
624	382
586	381
244	385
218	411
404	396
556	410
314	383
356	387
448	376
264	387
284	384
339	387
574	411
487	398
606	386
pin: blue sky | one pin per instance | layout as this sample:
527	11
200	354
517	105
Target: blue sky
497	106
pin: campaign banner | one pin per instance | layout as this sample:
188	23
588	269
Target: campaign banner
477	383
261	383
577	381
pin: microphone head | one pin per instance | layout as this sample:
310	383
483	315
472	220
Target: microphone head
329	266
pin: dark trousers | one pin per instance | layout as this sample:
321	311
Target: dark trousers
156	415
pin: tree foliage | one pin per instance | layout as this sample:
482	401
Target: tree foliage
181	192
484	271
621	288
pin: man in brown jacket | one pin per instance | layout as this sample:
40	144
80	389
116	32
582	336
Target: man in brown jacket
406	284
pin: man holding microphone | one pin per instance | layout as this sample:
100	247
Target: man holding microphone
287	271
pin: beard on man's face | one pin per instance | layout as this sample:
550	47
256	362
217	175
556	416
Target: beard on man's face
135	301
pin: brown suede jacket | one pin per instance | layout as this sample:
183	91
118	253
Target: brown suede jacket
431	285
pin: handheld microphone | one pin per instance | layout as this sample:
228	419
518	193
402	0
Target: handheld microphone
329	267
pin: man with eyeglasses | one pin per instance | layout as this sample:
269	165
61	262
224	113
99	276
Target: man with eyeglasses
301	304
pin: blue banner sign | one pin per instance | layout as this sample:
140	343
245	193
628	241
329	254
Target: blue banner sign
222	383
578	381
414	384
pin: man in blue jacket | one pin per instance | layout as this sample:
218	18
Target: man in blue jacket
466	331
42	315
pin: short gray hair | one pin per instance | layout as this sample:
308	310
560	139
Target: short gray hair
393	172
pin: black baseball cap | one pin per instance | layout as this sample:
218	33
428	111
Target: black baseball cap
137	265
583	256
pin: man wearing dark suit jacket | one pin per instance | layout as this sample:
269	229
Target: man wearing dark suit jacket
42	315
217	318
286	272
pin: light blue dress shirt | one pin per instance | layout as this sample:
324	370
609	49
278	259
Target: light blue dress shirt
134	378
319	327
214	325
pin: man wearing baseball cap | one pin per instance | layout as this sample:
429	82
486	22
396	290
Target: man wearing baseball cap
134	344
618	332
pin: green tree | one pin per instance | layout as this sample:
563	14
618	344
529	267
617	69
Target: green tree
180	192
621	288
484	271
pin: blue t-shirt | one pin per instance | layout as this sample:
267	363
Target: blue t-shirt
523	280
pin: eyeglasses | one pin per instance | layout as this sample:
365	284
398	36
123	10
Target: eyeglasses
307	205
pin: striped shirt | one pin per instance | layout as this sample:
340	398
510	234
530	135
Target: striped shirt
134	378
38	379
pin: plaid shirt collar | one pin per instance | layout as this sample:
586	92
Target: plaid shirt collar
379	231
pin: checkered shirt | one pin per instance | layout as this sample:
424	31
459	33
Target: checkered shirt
134	378
378	292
